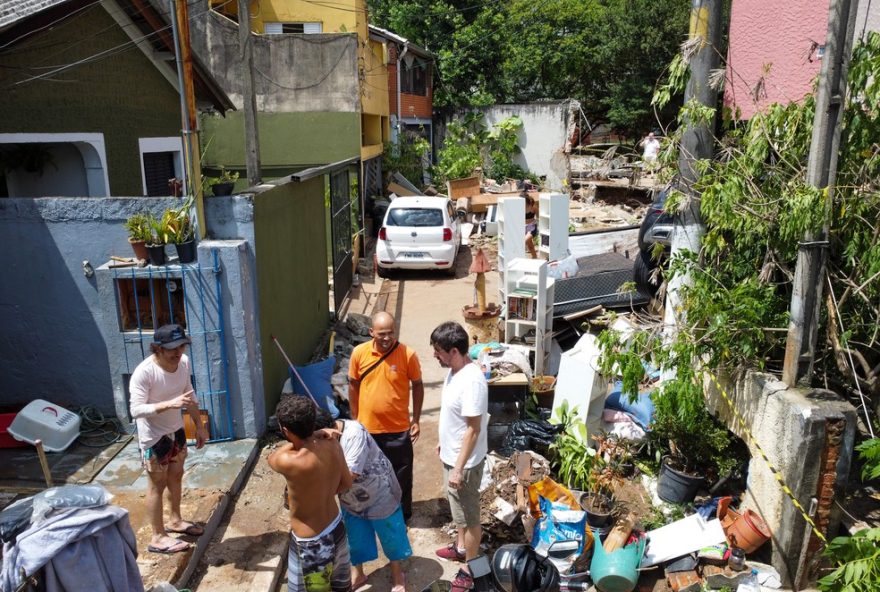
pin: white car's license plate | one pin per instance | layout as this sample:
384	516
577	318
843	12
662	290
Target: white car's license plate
414	255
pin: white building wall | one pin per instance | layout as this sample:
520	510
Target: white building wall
542	138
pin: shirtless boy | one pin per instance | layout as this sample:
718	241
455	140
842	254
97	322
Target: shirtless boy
315	469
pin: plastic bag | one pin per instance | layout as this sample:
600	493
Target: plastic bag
563	268
560	524
528	434
15	518
69	496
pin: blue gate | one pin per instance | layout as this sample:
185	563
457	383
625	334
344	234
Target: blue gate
191	296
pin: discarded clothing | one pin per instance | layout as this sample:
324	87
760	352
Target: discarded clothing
81	549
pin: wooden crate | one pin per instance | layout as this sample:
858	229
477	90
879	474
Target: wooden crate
466	187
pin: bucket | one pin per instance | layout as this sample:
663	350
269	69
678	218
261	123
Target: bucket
677	487
617	571
748	531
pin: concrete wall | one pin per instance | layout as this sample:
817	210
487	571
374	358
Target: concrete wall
293	73
61	338
51	343
808	436
123	96
292	278
542	139
779	34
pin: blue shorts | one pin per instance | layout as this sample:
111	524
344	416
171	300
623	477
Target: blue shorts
362	534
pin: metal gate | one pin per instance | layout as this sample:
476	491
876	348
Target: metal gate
340	228
190	295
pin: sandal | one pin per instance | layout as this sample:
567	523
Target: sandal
190	529
175	547
400	587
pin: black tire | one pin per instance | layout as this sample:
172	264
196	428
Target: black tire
643	270
382	272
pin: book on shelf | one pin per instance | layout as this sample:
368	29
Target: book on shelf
522	308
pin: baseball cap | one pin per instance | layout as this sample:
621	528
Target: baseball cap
170	336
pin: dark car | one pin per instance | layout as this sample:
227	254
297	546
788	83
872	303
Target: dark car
656	229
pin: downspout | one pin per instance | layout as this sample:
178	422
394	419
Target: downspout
399	65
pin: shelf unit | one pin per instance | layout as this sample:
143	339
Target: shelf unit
529	305
553	222
511	219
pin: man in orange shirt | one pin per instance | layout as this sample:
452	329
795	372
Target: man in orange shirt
380	376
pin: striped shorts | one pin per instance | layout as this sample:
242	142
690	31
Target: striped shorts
320	563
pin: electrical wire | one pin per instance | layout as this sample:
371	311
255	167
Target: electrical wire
852	363
96	430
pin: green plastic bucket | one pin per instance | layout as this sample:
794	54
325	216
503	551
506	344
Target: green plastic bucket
617	571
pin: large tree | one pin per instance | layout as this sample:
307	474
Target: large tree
605	53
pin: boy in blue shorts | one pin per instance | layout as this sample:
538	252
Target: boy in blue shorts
371	506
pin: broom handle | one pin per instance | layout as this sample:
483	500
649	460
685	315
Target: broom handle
292	367
44	462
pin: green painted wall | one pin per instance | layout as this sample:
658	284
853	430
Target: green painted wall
122	96
286	139
291	253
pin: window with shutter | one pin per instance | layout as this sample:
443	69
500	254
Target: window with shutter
295	28
158	169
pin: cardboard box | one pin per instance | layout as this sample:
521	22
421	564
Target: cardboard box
467	187
190	428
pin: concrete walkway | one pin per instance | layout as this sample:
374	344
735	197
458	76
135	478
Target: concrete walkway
213	477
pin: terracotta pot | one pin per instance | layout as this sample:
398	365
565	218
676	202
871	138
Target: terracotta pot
140	249
748	531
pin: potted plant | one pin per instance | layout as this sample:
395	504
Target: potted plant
139	233
180	231
225	182
159	237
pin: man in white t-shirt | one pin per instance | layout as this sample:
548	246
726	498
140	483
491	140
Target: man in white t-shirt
160	389
652	149
464	413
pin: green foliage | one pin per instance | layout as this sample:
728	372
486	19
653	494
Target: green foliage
138	227
406	156
608	54
226	176
858	563
869	452
573	459
469	145
175	226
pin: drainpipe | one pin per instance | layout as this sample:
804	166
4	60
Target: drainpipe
399	66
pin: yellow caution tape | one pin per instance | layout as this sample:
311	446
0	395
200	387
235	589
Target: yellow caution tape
774	470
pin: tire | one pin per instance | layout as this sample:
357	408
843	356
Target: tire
382	272
643	269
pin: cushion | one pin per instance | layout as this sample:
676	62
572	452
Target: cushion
317	378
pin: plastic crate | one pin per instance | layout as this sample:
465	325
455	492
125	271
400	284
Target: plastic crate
41	420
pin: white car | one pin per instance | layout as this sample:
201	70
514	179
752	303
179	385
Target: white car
418	232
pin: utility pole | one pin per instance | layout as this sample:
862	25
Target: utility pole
180	27
251	132
696	143
809	274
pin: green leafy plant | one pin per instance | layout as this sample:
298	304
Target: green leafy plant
177	224
159	233
460	154
226	176
869	452
858	563
406	156
573	459
139	228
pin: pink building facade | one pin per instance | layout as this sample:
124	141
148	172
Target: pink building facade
775	48
773	54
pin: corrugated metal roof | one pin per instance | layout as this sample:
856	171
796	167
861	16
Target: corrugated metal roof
12	11
402	40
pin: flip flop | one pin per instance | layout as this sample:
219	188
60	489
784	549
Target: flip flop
191	529
176	547
400	588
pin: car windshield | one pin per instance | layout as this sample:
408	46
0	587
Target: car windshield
414	217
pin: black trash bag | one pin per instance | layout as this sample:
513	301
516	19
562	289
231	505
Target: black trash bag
15	518
530	434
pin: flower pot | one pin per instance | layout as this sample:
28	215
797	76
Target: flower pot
186	252
157	254
222	188
140	249
599	508
748	531
543	387
675	486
